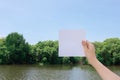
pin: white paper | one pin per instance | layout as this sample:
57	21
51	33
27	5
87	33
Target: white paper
70	43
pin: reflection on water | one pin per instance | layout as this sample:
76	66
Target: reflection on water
54	72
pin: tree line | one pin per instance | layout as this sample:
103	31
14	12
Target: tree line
15	50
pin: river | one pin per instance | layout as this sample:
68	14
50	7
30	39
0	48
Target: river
51	72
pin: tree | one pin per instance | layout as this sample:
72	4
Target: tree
31	57
74	60
47	52
17	47
4	56
108	52
15	50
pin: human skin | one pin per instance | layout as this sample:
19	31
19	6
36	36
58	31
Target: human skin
103	71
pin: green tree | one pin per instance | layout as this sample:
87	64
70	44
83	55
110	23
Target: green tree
114	44
17	47
66	60
74	60
108	52
4	56
47	52
31	58
15	50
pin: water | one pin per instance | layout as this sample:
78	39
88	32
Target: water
51	72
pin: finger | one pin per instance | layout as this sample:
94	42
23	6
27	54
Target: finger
84	44
88	44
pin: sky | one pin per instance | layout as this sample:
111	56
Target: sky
40	20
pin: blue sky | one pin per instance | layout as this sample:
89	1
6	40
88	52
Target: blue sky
42	19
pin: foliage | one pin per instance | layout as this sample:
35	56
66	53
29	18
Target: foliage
4	56
15	50
17	47
108	52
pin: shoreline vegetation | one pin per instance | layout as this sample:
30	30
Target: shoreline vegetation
15	50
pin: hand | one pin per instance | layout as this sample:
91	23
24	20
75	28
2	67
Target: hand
89	51
103	71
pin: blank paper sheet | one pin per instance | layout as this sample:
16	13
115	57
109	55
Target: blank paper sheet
70	43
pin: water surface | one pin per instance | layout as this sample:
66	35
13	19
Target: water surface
50	72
